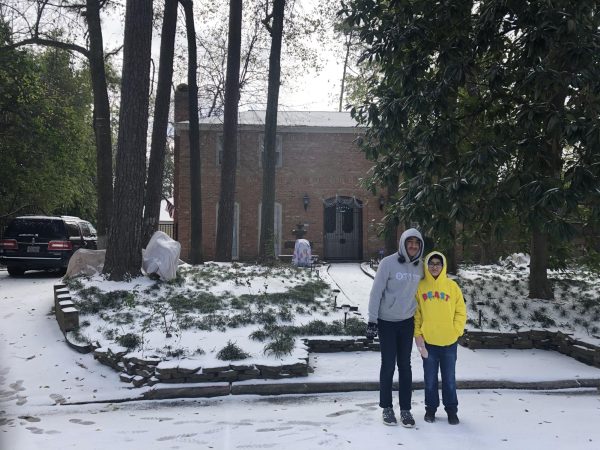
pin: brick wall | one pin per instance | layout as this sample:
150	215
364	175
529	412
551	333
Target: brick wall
317	161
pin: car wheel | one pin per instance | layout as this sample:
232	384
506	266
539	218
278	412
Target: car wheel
15	271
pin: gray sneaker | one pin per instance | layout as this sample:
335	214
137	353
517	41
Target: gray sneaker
407	419
389	418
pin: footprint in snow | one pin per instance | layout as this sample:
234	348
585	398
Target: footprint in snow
30	418
58	399
341	413
17	385
262	430
81	422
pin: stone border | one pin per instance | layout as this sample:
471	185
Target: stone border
150	371
345	345
540	339
67	315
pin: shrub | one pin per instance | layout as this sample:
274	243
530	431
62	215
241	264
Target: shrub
355	327
129	340
259	335
202	302
543	319
93	300
231	352
283	344
315	328
285	314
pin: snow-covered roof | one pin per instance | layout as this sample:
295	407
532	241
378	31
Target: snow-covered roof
289	119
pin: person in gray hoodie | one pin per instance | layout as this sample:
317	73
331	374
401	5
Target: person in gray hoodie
392	306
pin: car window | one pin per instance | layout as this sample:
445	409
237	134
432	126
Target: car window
44	228
85	229
92	229
73	229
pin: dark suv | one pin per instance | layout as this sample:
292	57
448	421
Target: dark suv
44	242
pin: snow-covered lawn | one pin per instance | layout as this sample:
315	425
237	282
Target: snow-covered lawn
212	313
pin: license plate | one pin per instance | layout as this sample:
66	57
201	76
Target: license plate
33	249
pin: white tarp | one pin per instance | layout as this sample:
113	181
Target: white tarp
161	256
302	253
86	262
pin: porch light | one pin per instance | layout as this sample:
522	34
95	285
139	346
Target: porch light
381	202
305	201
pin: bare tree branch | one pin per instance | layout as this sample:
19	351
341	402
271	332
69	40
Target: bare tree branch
48	42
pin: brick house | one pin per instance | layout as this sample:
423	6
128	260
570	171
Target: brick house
317	184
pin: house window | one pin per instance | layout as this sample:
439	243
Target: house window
219	155
235	244
278	150
276	227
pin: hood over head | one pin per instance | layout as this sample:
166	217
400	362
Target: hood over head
403	255
442	274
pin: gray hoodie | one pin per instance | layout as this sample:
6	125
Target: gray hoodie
393	293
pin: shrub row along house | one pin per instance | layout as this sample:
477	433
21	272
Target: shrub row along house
319	167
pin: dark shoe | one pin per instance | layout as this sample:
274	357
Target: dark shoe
429	415
453	418
407	419
389	418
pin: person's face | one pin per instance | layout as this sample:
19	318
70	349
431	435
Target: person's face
413	245
435	267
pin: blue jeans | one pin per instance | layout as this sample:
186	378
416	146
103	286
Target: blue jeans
441	358
395	340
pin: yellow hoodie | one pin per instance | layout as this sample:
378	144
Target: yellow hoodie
441	313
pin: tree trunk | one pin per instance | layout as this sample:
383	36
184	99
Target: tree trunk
161	121
539	287
196	255
549	165
391	222
102	126
124	252
230	129
267	237
348	46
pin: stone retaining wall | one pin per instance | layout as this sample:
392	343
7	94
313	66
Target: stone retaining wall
150	371
541	339
346	345
67	315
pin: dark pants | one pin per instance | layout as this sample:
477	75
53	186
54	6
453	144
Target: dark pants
395	340
442	358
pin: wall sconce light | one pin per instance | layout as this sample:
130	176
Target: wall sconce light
381	202
305	201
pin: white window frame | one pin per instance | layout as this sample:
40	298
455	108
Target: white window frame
277	224
278	150
235	244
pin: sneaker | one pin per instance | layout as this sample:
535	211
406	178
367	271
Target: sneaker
407	419
389	418
453	418
429	416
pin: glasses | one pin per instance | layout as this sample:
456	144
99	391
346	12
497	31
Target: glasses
436	264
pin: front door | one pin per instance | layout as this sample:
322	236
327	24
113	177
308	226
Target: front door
342	236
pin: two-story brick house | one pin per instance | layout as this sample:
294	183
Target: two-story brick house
318	170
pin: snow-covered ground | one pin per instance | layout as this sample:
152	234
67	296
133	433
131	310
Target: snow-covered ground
40	375
489	419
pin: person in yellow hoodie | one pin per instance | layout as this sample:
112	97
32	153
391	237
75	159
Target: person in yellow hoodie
439	321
